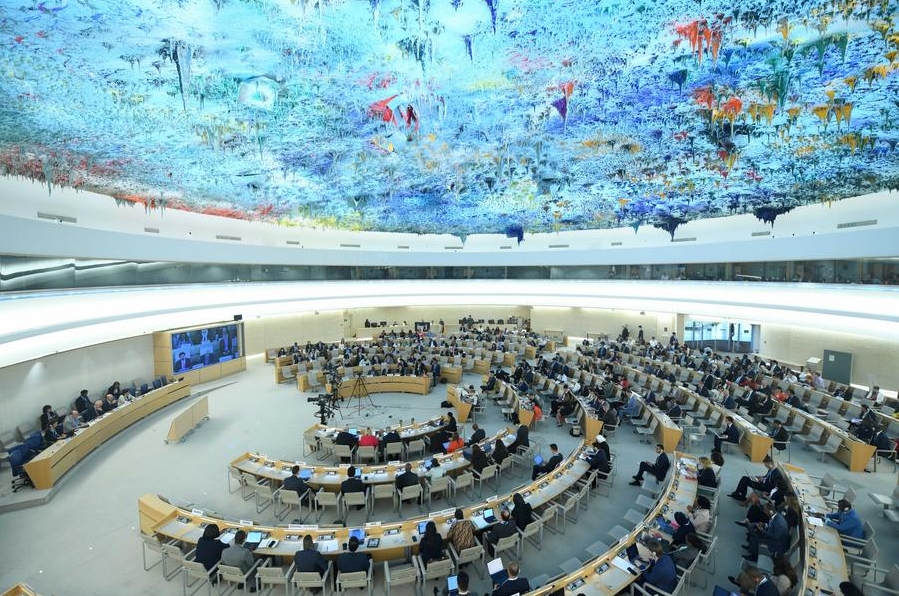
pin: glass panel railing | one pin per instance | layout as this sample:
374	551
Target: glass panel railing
18	274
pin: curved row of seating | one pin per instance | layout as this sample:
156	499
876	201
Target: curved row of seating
556	498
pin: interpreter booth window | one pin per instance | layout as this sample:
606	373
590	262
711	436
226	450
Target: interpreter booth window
719	336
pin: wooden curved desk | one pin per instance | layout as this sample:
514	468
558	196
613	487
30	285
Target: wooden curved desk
160	517
823	564
313	435
330	477
380	384
54	461
603	575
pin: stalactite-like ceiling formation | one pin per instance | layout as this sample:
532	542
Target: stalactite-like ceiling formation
458	116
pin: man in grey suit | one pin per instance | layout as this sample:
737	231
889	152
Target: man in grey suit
237	555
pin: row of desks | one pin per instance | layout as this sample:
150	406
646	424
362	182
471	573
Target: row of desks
359	385
157	516
330	477
755	442
607	574
315	434
822	557
53	462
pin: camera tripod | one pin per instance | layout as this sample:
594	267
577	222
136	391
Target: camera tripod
360	393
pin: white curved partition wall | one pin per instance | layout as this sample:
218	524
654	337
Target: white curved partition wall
69	332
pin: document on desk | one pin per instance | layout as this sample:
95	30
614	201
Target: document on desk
815	521
623	564
327	546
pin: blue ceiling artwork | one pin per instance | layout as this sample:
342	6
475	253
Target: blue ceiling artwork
454	116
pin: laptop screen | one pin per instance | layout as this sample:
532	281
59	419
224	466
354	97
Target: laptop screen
306	473
446	446
538	459
358	533
427	464
353	431
632	552
358	472
254	537
452	584
488	513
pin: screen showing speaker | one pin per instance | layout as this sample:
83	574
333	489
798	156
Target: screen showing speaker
203	346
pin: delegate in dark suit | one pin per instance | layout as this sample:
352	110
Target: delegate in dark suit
730	434
309	559
549	465
771	480
477	436
353	485
504	529
659	469
295	483
780	436
662	574
351	561
519	585
776	534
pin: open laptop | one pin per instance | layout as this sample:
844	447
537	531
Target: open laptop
452	585
538	459
422	526
497	572
253	539
489	516
305	473
446	445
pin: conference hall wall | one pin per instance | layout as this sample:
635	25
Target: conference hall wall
56	379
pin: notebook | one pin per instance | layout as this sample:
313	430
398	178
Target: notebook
489	516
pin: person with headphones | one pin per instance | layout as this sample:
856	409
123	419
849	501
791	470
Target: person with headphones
846	520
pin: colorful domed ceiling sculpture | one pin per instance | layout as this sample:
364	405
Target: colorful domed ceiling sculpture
454	116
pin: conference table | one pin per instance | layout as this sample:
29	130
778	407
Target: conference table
395	540
46	468
361	385
853	452
315	435
610	573
463	407
330	477
822	557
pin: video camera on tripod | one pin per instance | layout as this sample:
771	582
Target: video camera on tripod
325	411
